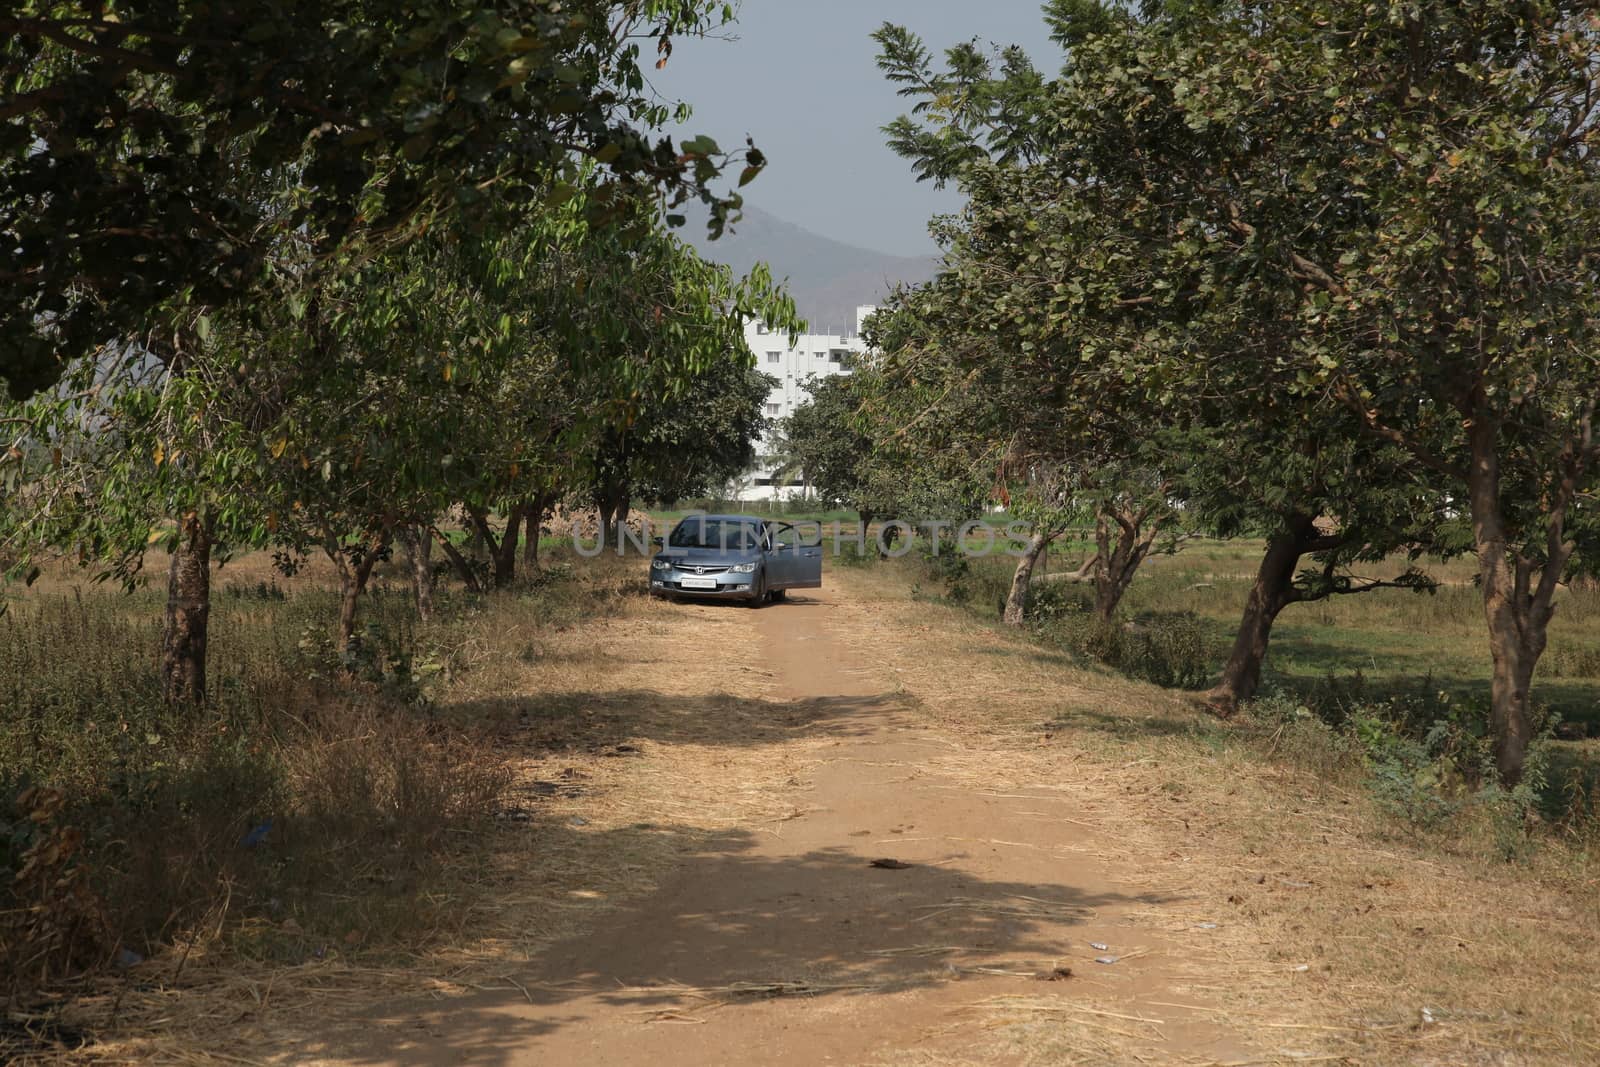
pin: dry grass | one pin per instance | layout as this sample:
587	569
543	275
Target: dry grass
1296	913
1338	933
622	767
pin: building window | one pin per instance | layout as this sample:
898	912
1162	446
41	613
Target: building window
773	409
774	357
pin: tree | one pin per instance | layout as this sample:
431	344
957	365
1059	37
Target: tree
333	427
154	158
825	443
630	369
1083	259
679	445
1394	205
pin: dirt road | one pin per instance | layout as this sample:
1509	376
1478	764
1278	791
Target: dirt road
781	943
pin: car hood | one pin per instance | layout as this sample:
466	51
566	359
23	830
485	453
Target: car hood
708	557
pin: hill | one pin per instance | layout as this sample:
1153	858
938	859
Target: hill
827	278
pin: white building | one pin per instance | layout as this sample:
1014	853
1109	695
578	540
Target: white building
813	355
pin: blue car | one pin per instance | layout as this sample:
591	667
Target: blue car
737	557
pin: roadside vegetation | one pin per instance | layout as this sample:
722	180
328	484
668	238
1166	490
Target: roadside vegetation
1145	334
1269	327
1388	688
1359	914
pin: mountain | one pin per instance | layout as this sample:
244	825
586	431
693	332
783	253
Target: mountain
827	278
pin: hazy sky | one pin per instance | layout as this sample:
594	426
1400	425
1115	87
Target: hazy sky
801	80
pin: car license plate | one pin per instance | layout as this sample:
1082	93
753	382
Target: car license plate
698	583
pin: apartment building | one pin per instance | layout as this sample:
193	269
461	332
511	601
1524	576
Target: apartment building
812	355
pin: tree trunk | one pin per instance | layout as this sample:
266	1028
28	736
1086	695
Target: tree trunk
535	523
353	577
474	544
1116	565
463	569
1518	611
1272	592
505	553
1017	599
183	643
502	549
349	601
418	547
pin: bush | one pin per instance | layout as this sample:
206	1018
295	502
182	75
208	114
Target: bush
1298	734
1053	601
126	824
943	564
1425	754
1171	649
850	554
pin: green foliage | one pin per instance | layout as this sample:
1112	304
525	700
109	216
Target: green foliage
685	443
153	805
187	142
524	350
941	563
1171	649
1344	242
823	439
1426	755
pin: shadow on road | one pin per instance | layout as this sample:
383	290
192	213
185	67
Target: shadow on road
735	930
601	719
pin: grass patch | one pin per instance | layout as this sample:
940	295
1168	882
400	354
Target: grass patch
312	807
1391	684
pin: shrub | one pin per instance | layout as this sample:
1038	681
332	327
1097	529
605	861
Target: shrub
943	564
1052	601
1299	735
125	824
1172	649
850	554
1425	754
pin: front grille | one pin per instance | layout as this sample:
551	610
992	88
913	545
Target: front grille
700	571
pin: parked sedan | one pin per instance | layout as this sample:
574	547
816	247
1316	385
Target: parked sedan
736	557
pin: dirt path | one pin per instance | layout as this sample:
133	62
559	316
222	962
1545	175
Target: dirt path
781	944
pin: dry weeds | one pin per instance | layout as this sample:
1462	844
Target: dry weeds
622	769
1302	919
1315	923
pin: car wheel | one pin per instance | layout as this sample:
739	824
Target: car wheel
759	597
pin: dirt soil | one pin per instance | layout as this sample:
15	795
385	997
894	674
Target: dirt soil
684	873
779	941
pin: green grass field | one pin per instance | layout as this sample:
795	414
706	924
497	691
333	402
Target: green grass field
1383	642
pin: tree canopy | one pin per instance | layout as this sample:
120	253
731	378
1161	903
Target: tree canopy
154	157
1325	222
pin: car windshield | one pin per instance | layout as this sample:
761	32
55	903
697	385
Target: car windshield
714	533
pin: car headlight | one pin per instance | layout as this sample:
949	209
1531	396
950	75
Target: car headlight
742	568
660	565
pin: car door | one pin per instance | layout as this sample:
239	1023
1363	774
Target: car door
808	555
783	555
